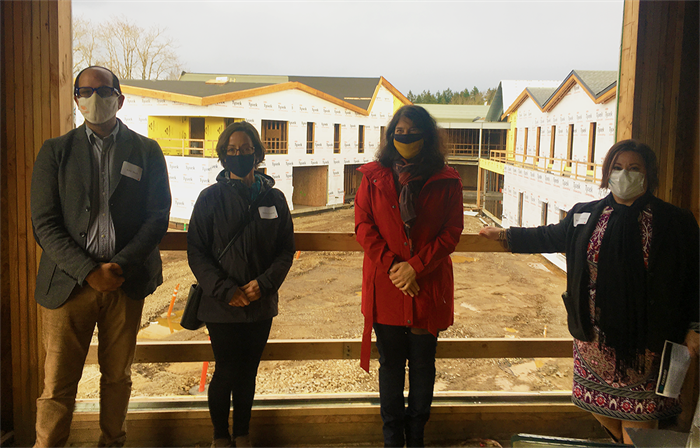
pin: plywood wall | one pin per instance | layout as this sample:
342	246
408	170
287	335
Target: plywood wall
36	104
658	92
310	186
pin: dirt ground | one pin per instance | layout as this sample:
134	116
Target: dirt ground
497	295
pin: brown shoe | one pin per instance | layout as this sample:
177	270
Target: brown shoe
221	443
242	441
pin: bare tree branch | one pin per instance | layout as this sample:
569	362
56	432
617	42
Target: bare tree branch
127	49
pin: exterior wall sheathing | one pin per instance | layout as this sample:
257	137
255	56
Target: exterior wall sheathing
538	186
189	175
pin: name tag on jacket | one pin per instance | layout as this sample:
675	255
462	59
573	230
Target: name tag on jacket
268	212
581	218
132	171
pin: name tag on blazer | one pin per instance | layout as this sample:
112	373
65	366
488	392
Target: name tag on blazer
581	218
268	212
131	170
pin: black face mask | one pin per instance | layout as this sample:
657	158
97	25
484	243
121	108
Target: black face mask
240	165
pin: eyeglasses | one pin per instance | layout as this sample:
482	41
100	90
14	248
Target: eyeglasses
246	150
102	91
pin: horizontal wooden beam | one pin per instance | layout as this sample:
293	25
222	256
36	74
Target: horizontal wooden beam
351	423
318	349
340	241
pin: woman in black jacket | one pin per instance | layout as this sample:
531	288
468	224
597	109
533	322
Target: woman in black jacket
239	296
632	283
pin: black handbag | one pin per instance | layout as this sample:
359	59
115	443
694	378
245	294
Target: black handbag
189	319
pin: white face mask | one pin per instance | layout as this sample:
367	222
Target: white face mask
626	184
98	110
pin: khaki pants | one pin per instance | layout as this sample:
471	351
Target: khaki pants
67	332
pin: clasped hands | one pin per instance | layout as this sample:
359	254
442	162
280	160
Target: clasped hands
245	294
106	277
403	276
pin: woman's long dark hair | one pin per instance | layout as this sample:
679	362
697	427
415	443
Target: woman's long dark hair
433	155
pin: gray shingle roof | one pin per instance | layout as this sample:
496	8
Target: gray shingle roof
342	88
356	91
597	81
541	94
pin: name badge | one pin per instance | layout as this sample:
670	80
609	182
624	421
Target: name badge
132	171
581	218
268	212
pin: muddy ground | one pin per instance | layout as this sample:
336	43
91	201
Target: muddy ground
497	295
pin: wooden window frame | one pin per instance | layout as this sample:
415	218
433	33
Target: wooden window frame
361	139
537	145
336	138
310	136
521	206
545	210
552	142
570	147
592	130
275	144
527	132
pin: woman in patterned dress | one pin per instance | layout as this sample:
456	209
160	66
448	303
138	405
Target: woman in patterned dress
632	283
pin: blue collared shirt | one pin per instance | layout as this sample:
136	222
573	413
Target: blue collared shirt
101	237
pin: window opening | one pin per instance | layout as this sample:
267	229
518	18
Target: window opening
310	131
336	138
570	146
274	136
197	132
361	139
591	145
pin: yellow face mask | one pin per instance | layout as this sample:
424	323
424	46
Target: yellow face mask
408	145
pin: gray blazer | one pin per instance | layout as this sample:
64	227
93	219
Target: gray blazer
60	206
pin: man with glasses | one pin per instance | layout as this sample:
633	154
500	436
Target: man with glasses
100	202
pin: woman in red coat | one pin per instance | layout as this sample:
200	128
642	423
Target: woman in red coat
408	219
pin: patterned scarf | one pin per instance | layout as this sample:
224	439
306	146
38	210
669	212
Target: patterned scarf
621	285
410	184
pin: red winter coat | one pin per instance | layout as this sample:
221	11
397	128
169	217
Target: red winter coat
381	233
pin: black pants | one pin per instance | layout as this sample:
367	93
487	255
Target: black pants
237	350
396	345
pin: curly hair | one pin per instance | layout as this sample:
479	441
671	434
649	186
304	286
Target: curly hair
432	157
249	129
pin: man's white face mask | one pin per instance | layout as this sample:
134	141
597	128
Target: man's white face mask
98	110
626	184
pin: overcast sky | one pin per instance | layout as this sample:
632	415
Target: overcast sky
414	45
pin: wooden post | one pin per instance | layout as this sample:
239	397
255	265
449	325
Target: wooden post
36	105
479	181
658	104
658	92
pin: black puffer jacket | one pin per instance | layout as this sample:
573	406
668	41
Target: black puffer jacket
263	252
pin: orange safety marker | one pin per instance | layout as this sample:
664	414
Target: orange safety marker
170	309
296	257
203	377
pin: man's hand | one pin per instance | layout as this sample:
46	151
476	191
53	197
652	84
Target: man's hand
403	276
239	299
107	277
251	290
692	341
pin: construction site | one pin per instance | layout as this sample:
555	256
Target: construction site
504	367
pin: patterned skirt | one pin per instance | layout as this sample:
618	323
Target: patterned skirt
601	389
